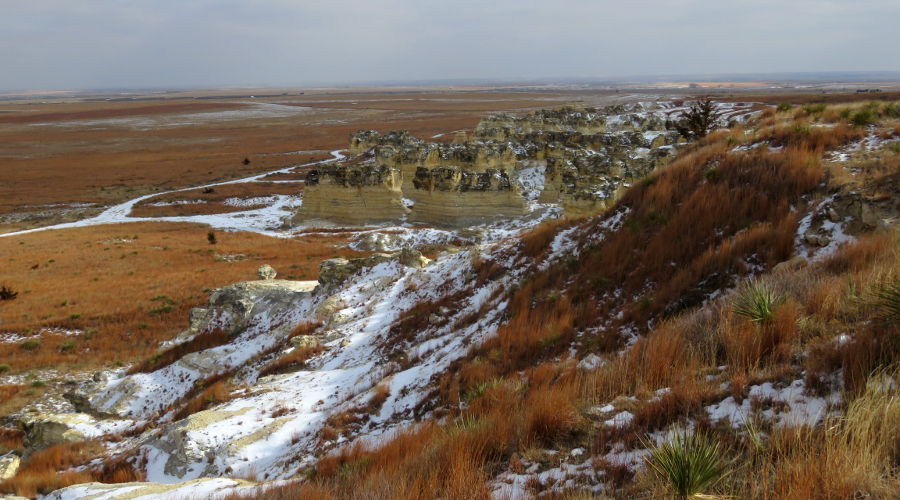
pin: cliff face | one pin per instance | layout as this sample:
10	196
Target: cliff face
452	196
589	184
472	156
364	140
353	194
590	155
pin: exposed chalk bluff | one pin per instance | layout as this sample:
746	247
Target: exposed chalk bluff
587	157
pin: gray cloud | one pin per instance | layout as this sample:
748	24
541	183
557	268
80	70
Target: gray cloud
172	43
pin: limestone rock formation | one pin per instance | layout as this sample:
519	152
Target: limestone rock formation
9	465
353	194
503	126
266	272
364	140
477	156
588	184
43	430
451	196
255	314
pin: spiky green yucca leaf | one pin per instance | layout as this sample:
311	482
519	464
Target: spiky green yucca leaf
689	463
757	302
887	297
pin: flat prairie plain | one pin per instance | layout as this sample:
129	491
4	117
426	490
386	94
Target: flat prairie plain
59	152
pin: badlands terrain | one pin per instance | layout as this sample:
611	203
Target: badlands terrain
444	293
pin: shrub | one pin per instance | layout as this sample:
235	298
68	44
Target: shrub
30	345
689	464
864	117
814	109
4	368
887	298
757	302
66	346
784	106
211	237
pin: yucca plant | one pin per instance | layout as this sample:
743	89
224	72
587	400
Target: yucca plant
887	298
689	464
757	302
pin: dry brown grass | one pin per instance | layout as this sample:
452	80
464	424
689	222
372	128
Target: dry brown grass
49	469
130	286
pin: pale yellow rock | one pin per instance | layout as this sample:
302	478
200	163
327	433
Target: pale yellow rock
353	195
43	430
9	465
451	196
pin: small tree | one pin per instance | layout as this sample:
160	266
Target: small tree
701	118
246	161
211	237
7	293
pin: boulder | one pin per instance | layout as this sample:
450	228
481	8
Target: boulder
9	465
232	307
43	430
266	272
304	341
378	242
413	258
334	271
792	264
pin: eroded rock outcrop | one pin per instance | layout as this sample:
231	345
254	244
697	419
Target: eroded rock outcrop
255	315
9	465
478	156
353	194
504	126
364	140
451	196
588	184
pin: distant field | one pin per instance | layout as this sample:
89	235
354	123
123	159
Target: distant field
65	151
127	287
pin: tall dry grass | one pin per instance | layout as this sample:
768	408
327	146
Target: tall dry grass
127	287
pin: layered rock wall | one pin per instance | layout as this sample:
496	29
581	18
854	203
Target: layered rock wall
471	156
353	194
452	196
588	184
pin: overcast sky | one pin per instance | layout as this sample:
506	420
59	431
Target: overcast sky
79	44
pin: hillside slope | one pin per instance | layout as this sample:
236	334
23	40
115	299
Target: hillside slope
745	293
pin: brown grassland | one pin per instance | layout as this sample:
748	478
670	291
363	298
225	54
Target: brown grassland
127	287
